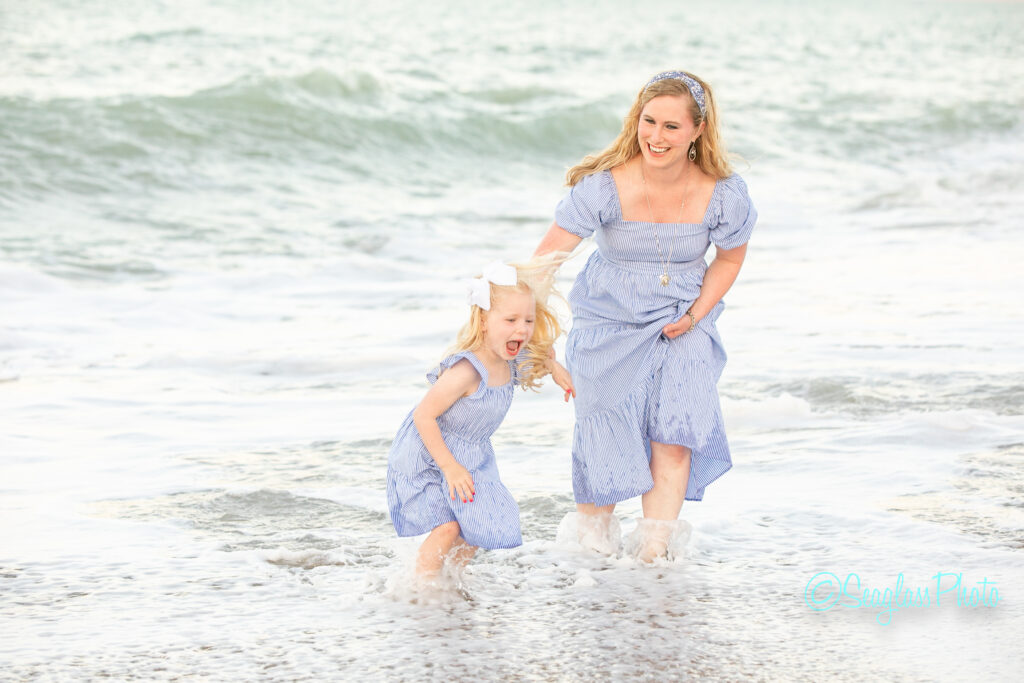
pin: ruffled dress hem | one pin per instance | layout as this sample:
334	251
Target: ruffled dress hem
611	459
424	507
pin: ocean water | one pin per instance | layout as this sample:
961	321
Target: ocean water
231	244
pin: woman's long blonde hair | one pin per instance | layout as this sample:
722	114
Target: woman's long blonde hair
536	278
712	157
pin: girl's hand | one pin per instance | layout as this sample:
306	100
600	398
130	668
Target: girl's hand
563	379
459	482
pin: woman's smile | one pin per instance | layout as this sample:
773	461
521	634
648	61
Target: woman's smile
665	129
657	152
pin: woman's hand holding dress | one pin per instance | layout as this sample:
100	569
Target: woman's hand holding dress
717	280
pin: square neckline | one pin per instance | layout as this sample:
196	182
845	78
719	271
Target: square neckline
618	203
485	375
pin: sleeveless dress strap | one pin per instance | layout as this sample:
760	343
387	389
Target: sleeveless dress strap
455	358
518	365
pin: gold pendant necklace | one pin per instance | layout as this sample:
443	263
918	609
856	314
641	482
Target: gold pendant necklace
664	279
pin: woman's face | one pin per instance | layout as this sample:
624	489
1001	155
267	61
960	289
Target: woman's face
666	130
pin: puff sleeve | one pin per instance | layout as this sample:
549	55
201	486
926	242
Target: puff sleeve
736	216
587	206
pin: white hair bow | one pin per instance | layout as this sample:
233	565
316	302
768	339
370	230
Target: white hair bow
479	288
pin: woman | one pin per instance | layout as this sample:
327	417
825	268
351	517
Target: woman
644	351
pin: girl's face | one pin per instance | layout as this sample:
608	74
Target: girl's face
509	324
665	130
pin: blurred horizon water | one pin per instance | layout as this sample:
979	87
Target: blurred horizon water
231	241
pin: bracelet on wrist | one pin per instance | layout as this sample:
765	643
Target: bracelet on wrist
693	321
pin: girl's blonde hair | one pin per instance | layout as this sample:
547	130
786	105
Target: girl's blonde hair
535	278
712	157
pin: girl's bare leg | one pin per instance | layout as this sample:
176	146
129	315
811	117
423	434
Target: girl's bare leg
670	469
461	553
435	548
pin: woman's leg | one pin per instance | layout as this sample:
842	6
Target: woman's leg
595	511
594	527
435	548
670	469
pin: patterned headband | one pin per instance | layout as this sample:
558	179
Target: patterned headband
691	85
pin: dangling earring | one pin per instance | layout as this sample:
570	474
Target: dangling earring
692	154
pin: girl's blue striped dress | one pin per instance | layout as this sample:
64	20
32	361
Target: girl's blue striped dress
417	493
634	385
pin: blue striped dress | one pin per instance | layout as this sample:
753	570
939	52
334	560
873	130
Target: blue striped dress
634	385
417	492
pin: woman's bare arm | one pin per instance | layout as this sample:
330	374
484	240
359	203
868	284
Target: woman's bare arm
557	239
717	280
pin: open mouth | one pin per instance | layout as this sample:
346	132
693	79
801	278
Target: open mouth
656	150
513	347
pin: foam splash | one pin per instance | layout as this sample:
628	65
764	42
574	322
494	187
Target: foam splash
657	540
590	533
404	584
305	559
650	541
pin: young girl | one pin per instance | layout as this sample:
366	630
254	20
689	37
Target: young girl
442	476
